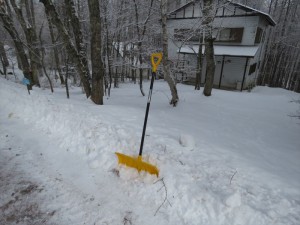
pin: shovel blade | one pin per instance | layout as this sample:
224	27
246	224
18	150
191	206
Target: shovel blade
137	163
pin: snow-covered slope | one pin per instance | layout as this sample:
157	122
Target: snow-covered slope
232	158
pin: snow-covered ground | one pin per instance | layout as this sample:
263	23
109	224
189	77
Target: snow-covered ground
231	159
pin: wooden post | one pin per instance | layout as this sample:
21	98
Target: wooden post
245	70
221	75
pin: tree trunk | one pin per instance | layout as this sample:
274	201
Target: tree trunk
210	66
3	55
79	40
116	78
199	66
141	31
55	51
297	85
108	44
295	76
97	66
31	38
36	64
208	14
43	59
141	70
165	59
10	28
80	66
3	59
123	69
4	72
67	79
132	66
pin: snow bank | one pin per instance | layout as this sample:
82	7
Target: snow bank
236	160
187	140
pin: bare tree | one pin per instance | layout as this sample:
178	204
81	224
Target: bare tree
141	28
19	45
165	59
55	50
3	58
97	66
281	58
208	15
77	33
199	66
28	26
72	51
43	58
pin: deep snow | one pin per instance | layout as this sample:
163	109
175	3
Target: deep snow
232	158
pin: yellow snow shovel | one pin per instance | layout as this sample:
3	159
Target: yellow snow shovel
137	162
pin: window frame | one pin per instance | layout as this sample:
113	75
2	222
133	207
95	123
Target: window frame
258	35
238	31
252	68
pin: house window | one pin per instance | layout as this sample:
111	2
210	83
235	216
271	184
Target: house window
231	34
187	35
182	64
224	34
179	34
252	68
258	37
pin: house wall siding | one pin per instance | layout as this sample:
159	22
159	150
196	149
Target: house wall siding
258	58
228	16
233	70
249	24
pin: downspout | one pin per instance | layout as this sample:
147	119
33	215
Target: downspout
221	75
245	70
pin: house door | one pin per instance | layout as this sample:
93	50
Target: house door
218	61
233	71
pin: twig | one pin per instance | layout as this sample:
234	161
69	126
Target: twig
7	149
166	196
294	116
127	219
158	180
232	177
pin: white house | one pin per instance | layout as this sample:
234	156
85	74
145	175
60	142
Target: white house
239	45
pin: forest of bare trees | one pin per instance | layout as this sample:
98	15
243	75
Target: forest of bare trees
281	67
100	43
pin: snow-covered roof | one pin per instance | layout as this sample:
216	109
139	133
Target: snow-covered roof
243	51
245	8
181	7
250	9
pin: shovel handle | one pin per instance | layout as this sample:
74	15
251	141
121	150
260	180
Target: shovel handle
146	114
155	60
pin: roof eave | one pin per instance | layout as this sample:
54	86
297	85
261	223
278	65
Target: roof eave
247	8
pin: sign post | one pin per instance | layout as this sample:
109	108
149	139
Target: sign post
26	82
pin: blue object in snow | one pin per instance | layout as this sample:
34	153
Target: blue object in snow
25	81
